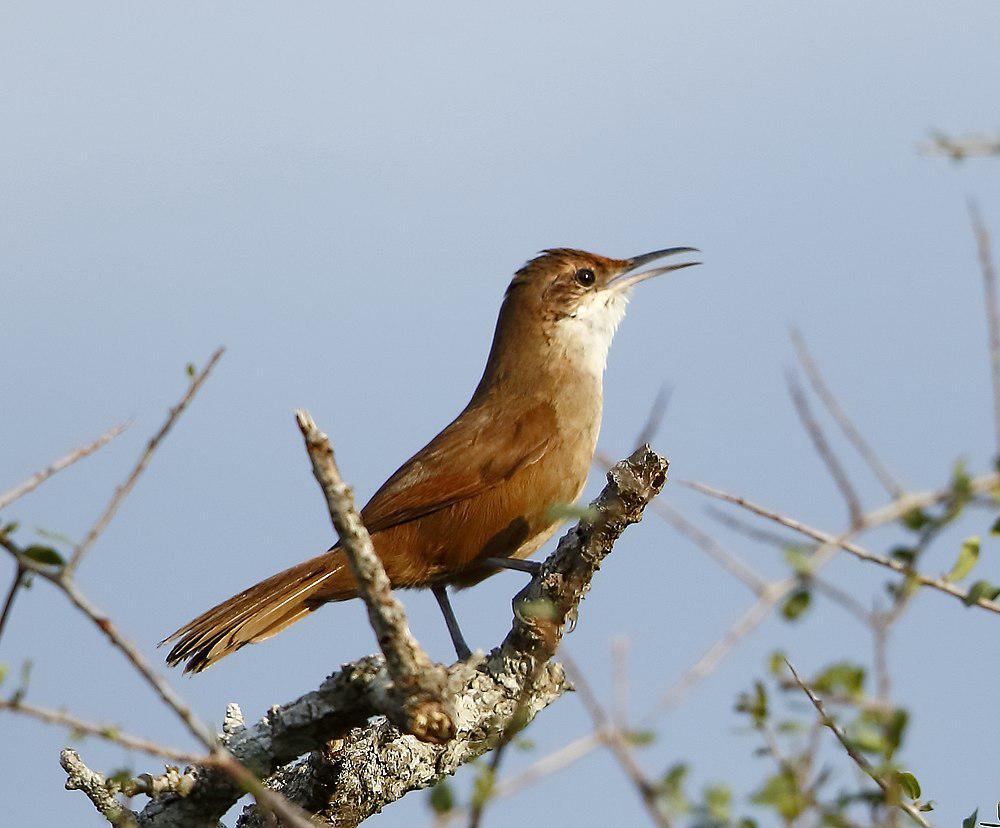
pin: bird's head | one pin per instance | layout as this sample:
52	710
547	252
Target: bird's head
578	298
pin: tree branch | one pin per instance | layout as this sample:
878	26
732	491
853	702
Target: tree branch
360	761
38	478
417	699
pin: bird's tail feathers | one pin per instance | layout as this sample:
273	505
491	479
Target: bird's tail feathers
261	611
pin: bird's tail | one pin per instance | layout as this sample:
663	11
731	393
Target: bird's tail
261	611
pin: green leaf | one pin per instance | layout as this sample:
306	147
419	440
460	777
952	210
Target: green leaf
798	559
894	729
776	663
968	555
980	589
994	529
796	604
8	528
640	738
718	800
915	519
904	554
572	511
120	776
781	792
44	555
442	799
841	676
908	784
189	369
482	787
670	790
972	820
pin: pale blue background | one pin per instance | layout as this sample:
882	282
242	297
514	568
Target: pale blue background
339	195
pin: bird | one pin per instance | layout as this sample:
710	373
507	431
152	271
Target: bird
483	495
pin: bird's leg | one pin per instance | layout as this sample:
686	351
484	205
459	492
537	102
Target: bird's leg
531	567
461	648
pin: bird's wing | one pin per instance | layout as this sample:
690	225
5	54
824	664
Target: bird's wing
478	451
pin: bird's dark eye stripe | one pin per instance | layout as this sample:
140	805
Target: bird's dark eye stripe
585	276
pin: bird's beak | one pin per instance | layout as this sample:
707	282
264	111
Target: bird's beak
628	277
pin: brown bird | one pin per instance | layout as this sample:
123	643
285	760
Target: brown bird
479	497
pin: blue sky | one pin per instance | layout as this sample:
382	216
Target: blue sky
339	194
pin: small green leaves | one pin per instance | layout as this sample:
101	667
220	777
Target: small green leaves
972	820
980	589
44	555
908	784
968	555
442	798
8	528
754	704
994	529
796	604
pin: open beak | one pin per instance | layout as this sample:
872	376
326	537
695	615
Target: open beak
628	277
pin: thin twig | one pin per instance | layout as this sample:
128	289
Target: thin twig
617	743
843	598
958	149
836	410
107	732
123	490
40	477
940	584
19	578
859	760
992	310
819	441
748	530
655	419
420	684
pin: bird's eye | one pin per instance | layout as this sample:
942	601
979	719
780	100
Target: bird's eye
585	276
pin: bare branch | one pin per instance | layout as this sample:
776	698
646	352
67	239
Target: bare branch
95	786
992	310
370	766
40	477
940	584
958	149
859	760
836	410
123	490
420	705
108	732
616	742
819	441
